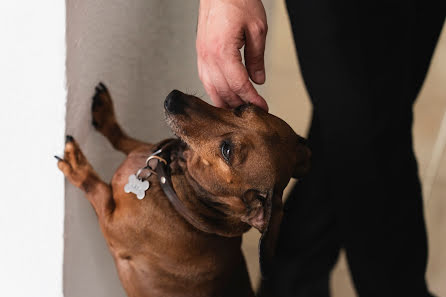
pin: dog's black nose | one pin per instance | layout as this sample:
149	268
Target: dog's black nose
174	102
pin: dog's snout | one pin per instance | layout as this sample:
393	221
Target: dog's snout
174	102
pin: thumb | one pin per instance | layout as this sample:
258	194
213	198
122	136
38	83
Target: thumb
254	52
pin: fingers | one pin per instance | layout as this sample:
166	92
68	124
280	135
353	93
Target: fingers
232	91
238	81
226	80
255	35
218	89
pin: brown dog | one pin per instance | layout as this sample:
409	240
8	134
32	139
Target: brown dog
225	175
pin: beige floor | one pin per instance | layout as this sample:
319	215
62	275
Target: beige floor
285	93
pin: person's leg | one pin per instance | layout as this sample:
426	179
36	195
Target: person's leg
363	64
308	244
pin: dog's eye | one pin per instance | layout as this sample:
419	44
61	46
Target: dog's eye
226	150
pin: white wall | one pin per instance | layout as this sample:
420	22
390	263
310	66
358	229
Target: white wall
32	109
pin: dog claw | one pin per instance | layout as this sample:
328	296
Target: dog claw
69	138
102	85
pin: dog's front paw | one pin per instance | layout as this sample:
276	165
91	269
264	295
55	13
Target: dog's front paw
74	165
102	108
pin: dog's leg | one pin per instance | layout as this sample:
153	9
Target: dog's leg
104	120
79	172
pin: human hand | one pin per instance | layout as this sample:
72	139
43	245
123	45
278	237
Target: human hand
224	27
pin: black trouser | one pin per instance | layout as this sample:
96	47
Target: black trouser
363	63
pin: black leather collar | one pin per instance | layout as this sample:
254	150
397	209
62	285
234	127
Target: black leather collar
163	171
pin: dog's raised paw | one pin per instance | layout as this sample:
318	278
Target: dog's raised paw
74	165
101	107
100	96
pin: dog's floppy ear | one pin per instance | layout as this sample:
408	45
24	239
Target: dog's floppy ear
303	158
264	212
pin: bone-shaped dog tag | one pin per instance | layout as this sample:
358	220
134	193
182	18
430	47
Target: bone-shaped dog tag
137	186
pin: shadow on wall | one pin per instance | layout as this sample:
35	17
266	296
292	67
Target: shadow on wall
141	50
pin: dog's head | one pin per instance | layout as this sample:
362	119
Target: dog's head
243	157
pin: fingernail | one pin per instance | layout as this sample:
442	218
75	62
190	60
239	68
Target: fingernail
259	76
